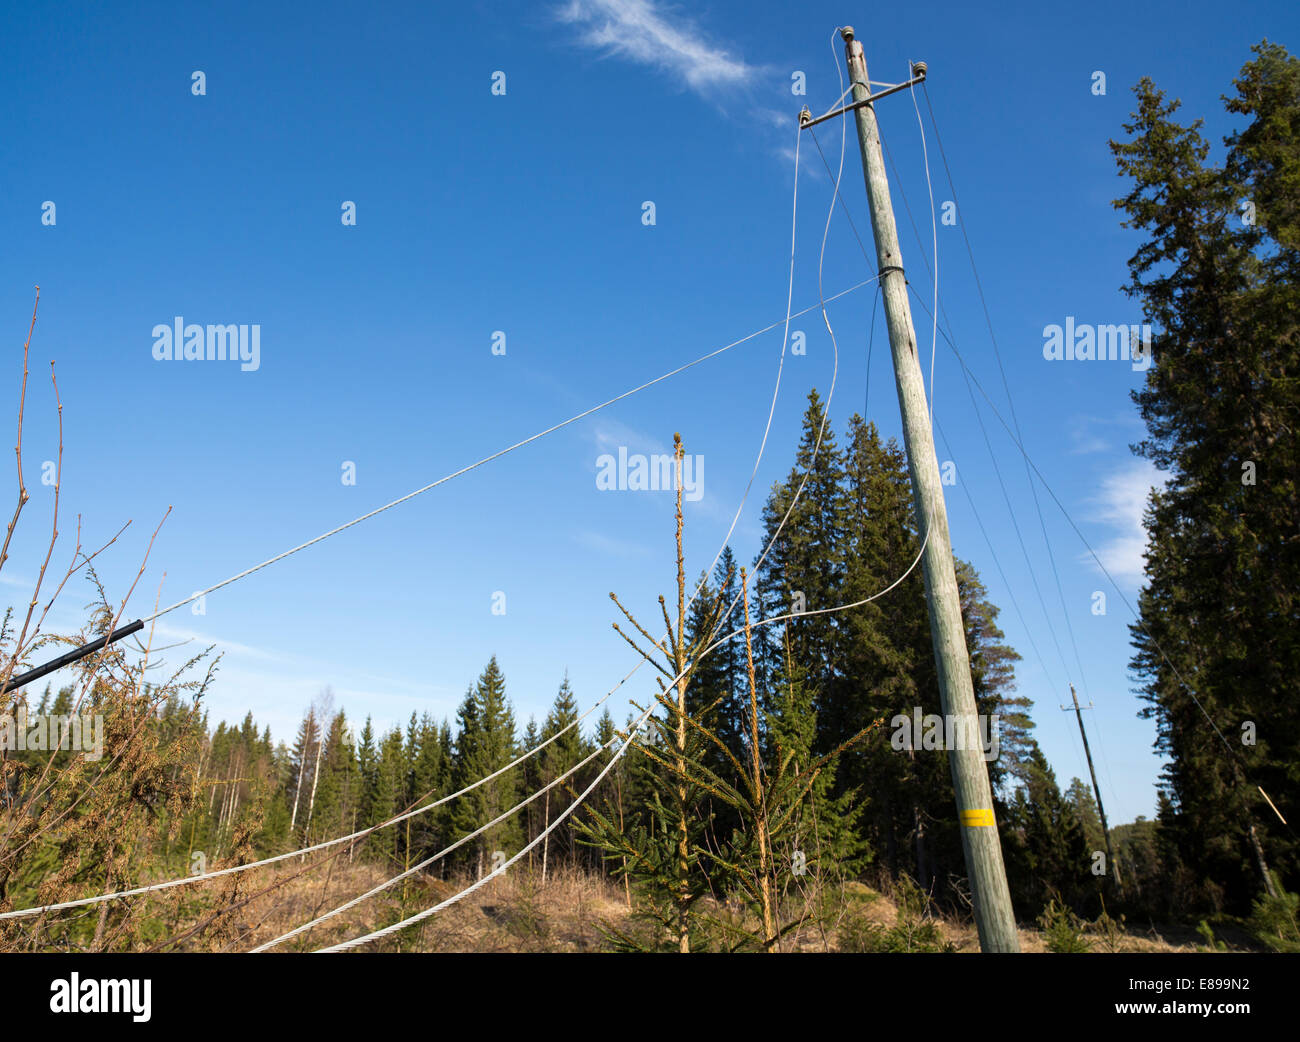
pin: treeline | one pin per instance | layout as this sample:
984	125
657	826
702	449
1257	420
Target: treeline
337	778
872	808
770	765
819	680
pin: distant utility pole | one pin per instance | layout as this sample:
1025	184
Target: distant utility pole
1112	864
979	831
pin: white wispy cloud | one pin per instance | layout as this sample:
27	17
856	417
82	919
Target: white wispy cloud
776	119
1092	434
611	435
173	634
646	32
1120	505
278	695
810	166
610	545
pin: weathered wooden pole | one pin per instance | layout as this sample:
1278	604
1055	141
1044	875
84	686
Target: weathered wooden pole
1112	864
979	831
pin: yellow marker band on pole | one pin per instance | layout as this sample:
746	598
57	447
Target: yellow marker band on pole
978	818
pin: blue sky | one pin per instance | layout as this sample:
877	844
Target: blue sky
522	212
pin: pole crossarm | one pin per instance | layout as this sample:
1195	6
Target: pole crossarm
806	119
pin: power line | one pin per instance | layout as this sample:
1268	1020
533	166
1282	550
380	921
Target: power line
993	456
420	916
997	354
1105	571
1015	526
835	369
435	857
1017	440
375	935
1014	521
496	455
822	301
996	561
835	195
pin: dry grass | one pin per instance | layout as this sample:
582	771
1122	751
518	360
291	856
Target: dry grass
880	909
518	913
515	913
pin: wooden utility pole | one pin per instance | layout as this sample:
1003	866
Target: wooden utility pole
1112	864
979	831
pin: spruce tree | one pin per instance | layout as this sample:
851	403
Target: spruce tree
1215	274
716	696
886	654
387	796
530	780
337	793
1081	800
485	744
804	567
367	766
664	851
563	754
1046	852
429	782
